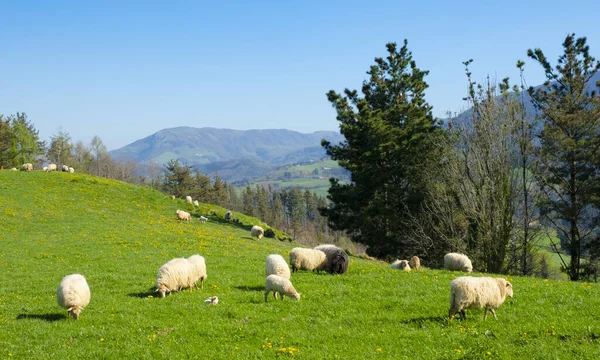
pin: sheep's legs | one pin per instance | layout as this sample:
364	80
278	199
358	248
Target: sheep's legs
266	296
493	313
202	283
275	295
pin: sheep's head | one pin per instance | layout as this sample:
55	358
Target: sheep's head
162	291
505	287
74	311
468	268
509	289
296	296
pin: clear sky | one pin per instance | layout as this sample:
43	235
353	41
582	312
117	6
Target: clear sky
123	70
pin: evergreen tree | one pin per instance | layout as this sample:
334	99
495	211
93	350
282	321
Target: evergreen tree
59	151
5	142
569	150
178	179
25	142
390	150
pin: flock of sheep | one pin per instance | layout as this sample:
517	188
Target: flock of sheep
49	168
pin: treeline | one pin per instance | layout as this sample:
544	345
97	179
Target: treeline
486	183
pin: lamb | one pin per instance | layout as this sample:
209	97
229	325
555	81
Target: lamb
415	262
400	265
257	232
456	261
71	170
196	203
307	259
276	265
188	199
337	259
478	292
65	168
175	275
280	285
203	219
27	167
227	216
73	294
199	267
183	215
51	167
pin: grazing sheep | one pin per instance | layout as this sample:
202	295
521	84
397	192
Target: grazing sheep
307	259
188	199
71	170
400	265
51	167
257	232
227	216
27	167
203	219
199	267
14	169
45	168
175	275
65	168
73	294
478	292
196	203
276	265
456	261
280	285
172	197
337	259
415	262
183	215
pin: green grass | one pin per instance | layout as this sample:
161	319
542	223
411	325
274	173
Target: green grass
118	235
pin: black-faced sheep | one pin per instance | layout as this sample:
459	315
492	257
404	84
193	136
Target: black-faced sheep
337	259
478	292
456	261
280	285
276	265
73	294
307	259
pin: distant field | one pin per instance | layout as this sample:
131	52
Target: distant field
118	235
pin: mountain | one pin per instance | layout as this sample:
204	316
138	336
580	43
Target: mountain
202	146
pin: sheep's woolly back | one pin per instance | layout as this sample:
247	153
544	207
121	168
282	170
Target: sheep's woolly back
307	259
337	259
276	265
199	269
478	292
27	167
400	265
188	199
174	276
183	215
281	286
52	167
257	232
456	261
415	262
73	294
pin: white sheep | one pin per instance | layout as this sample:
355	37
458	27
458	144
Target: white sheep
45	168
227	216
257	232
196	203
73	294
51	167
183	215
27	167
276	265
188	199
203	219
14	169
71	170
478	292
280	285
400	265
175	275
65	168
199	267
307	259
415	262
456	261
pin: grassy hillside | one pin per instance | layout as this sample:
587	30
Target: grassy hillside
118	235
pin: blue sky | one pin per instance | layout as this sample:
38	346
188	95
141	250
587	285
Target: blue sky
123	70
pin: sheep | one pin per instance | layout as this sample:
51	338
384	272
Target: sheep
51	167
196	203
280	285
456	261
478	292
13	169
175	275
257	232
236	221
337	259
227	216
203	219
415	262
199	267
307	259
400	265
188	199
71	170
65	168
73	294
27	167
45	168
183	215
172	197
276	265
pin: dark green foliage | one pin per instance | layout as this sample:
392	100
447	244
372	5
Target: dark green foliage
390	149
269	233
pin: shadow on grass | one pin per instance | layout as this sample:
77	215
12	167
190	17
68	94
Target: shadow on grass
144	294
45	317
251	288
425	319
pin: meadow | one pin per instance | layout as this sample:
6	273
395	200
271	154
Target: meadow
118	235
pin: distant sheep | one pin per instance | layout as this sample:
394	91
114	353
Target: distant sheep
276	265
14	169
280	285
337	259
257	232
183	215
203	219
172	197
73	294
415	262
188	199
51	167
196	203
65	168
227	216
307	259
71	170
45	168
478	292
199	267
27	167
175	275
456	261
400	265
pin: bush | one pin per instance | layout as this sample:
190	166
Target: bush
269	233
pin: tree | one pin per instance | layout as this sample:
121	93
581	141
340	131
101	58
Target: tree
178	179
390	151
5	142
568	172
25	141
99	152
59	151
